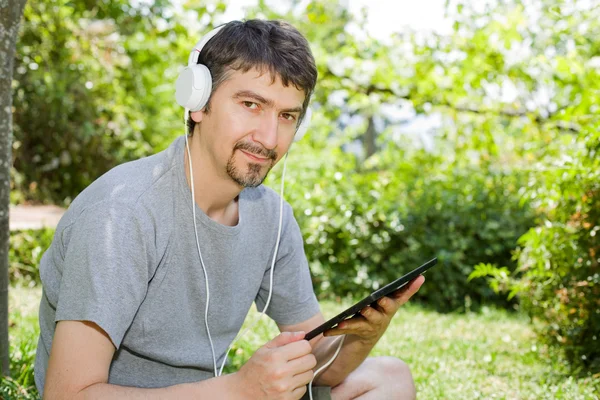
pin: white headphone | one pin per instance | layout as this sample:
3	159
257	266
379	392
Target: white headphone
194	84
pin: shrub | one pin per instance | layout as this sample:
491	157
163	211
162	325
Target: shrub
86	93
25	252
560	259
365	229
558	278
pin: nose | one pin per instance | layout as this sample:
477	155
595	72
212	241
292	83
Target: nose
266	132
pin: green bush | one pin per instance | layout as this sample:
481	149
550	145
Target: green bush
25	252
365	229
93	88
558	278
560	259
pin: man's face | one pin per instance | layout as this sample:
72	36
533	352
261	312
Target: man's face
250	126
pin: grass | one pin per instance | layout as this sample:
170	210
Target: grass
23	335
491	354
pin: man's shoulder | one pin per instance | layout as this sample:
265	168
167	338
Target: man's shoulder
138	175
143	183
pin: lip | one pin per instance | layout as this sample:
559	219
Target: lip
255	158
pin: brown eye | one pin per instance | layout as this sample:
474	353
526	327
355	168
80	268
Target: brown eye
250	104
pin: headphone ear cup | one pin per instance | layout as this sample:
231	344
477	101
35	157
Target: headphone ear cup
193	86
301	131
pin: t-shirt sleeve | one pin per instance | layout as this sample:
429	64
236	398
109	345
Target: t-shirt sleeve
105	268
293	299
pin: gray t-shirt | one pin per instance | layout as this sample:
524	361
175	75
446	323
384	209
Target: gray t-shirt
124	256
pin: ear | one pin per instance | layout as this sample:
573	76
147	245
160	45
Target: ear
197	116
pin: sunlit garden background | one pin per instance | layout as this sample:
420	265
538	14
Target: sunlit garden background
479	145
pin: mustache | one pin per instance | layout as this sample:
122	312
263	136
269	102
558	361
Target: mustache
255	149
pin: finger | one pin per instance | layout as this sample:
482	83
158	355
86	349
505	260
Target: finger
302	364
356	320
295	350
373	315
366	333
403	295
302	379
299	392
284	338
334	332
388	305
407	287
354	326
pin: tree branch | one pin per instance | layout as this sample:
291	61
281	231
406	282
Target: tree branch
372	88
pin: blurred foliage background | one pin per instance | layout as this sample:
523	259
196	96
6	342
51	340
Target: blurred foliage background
502	184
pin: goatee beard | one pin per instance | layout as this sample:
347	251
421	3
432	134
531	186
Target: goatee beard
252	177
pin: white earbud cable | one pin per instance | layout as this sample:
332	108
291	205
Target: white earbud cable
220	371
240	335
212	347
270	273
325	366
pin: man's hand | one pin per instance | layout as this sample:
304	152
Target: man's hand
371	325
280	369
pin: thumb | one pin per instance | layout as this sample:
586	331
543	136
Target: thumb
284	338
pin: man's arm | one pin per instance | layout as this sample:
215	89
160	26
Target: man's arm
362	335
82	352
80	360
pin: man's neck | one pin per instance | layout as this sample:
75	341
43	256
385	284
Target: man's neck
214	193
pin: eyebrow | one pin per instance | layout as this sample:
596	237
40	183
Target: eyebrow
261	99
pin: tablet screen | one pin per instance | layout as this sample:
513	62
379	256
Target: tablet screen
372	298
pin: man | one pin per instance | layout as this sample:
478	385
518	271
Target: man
126	278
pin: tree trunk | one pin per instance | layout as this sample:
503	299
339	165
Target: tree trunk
369	139
10	17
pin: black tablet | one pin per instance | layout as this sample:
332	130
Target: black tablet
371	299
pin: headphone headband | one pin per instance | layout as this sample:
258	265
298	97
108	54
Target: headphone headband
195	53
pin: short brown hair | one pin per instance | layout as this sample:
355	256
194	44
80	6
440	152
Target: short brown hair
273	46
